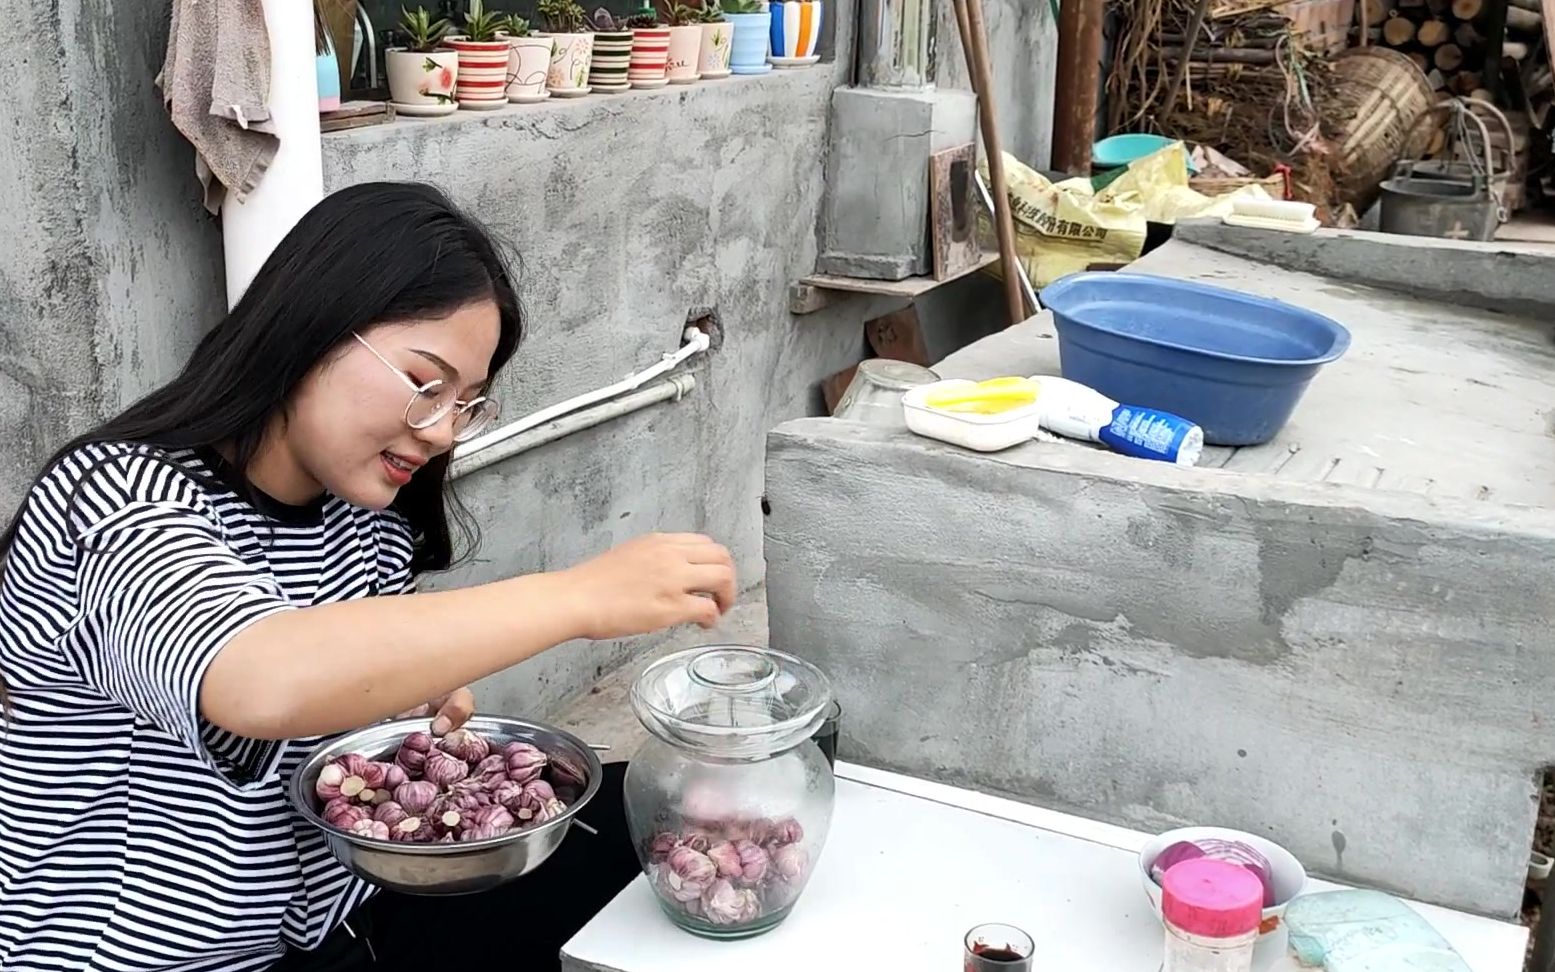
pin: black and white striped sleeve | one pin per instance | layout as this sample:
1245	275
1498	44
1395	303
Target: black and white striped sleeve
160	593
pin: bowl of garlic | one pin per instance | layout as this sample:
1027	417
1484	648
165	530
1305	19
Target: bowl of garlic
478	807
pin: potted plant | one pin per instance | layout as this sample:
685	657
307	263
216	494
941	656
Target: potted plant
685	44
752	22
422	74
713	56
529	62
483	59
612	52
796	26
572	47
650	49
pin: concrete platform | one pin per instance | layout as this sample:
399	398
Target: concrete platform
1448	402
1341	640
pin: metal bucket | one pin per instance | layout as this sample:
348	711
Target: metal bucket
1439	206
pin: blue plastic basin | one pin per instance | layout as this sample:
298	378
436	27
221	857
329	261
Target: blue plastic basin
1235	364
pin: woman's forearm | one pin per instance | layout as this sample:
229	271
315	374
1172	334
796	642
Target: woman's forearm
336	667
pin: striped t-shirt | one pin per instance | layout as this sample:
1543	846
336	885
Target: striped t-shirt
134	835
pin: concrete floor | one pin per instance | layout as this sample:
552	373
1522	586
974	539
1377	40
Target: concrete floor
603	716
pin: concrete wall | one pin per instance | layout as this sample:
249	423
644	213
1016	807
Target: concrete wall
628	211
110	268
1023	48
1363	676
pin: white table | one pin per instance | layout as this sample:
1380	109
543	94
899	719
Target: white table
910	866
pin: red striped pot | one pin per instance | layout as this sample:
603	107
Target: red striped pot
483	72
650	57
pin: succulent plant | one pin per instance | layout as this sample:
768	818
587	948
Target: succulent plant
516	26
742	7
643	18
683	15
561	16
710	13
481	24
603	21
422	33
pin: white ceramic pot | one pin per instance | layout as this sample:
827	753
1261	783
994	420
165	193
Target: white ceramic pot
422	82
570	57
685	52
713	58
529	64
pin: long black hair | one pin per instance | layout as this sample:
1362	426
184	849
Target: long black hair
375	253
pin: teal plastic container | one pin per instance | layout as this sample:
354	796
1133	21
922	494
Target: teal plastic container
1118	151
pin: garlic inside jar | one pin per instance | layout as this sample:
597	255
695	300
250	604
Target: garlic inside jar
729	801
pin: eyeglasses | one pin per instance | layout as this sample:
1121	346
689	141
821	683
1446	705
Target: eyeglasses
430	403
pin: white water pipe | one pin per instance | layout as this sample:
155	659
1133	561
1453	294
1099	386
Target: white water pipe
697	342
294	182
675	387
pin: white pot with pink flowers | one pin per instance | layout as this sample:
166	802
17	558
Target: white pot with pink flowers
424	74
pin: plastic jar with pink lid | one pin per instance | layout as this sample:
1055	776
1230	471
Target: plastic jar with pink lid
1211	910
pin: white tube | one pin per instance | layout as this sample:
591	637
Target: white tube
697	342
674	387
294	182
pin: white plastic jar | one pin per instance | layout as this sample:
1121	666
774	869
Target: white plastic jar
1211	910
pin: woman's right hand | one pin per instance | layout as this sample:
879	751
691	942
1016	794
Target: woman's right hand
653	582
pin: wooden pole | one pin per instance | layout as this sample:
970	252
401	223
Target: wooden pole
974	36
1191	38
1078	85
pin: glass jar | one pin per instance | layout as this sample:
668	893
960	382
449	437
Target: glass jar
729	800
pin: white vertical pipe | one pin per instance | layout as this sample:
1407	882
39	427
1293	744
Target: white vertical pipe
295	180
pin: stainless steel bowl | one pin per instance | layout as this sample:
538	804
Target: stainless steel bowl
444	869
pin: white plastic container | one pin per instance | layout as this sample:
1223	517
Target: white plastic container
982	433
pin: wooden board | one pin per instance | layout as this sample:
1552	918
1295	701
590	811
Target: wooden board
953	210
356	114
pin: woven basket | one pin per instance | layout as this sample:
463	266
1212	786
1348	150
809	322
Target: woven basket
1275	185
1378	104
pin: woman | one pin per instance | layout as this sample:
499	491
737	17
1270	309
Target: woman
191	598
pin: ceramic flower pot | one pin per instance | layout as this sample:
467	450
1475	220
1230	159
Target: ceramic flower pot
650	57
751	38
571	55
529	64
328	77
685	47
796	26
713	56
422	83
612	59
483	72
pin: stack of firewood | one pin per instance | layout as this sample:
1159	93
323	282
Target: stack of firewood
1447	38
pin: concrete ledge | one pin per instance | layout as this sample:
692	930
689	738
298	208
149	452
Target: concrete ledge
1363	676
1511	277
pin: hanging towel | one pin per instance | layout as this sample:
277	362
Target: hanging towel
215	83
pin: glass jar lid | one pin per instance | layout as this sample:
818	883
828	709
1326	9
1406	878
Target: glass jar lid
732	702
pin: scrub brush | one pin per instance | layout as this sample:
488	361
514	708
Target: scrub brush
1273	214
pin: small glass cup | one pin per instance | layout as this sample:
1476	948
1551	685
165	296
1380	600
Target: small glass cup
826	736
998	948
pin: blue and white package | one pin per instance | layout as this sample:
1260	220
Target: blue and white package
1080	412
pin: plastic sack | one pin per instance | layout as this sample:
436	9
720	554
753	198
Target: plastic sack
1065	227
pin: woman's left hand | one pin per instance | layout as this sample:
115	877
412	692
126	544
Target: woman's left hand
451	711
